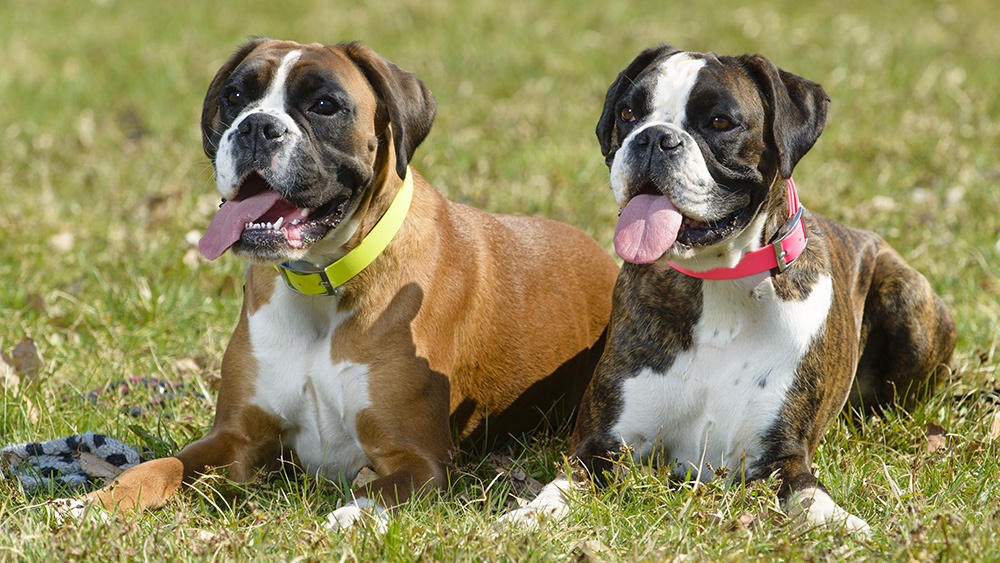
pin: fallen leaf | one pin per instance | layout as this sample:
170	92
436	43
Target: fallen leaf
9	460
8	377
365	476
937	438
26	360
995	426
95	466
589	551
747	520
36	303
187	366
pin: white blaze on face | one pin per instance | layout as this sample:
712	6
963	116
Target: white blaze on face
273	103
674	81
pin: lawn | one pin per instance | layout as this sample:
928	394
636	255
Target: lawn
104	190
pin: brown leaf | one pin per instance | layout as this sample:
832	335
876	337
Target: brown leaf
94	466
365	476
995	426
10	460
937	438
36	303
747	520
26	359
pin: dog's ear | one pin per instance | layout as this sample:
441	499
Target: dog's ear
606	124
407	103
210	108
797	112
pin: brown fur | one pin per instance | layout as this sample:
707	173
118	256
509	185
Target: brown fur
465	315
887	334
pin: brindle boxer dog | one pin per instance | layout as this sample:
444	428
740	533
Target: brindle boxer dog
381	323
740	320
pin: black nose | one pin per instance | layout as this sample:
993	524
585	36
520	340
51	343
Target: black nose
260	131
659	138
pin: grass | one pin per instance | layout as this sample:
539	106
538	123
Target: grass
103	186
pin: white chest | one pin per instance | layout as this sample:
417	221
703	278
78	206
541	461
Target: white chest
316	399
717	401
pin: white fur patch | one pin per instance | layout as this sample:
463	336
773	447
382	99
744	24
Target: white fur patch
318	401
815	507
718	399
274	103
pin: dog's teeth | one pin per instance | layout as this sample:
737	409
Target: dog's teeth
277	224
304	213
295	221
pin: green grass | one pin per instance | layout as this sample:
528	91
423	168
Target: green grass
102	177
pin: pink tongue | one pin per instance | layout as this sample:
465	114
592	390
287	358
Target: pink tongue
227	226
647	228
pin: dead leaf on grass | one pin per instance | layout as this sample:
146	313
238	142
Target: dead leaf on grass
36	303
365	476
589	551
26	360
8	377
10	460
95	466
937	438
995	426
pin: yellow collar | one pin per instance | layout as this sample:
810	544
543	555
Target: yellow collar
327	281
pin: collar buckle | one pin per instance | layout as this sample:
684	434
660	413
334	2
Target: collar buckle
780	253
307	283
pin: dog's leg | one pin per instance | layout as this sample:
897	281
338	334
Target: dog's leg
805	499
409	454
406	474
908	337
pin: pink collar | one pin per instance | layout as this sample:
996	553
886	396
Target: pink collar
775	256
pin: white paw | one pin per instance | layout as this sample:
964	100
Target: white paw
75	510
551	505
816	507
359	511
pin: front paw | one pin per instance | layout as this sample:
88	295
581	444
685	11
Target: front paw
816	507
360	511
551	505
531	515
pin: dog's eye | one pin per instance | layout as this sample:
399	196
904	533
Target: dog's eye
627	114
325	106
234	97
721	123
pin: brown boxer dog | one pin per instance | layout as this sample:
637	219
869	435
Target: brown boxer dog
740	321
381	323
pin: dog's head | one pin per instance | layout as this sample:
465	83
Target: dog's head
301	137
695	143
